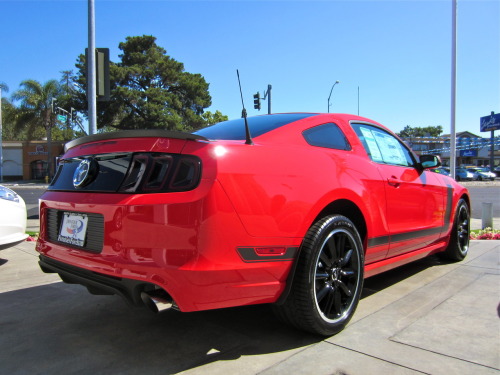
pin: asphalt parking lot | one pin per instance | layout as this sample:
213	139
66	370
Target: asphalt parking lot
428	317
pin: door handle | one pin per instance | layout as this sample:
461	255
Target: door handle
393	181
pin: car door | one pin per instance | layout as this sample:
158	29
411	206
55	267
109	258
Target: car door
414	197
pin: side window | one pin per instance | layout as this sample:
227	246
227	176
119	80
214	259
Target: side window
383	147
326	135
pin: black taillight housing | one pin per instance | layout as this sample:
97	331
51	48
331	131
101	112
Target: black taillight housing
158	172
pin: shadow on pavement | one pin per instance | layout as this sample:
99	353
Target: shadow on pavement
56	327
386	279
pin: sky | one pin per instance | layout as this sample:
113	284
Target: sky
395	54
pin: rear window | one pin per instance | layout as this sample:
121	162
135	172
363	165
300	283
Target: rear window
328	136
235	129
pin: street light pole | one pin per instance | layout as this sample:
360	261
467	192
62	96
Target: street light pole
329	96
453	133
91	74
1	144
358	100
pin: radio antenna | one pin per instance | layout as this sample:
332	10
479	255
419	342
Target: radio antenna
248	137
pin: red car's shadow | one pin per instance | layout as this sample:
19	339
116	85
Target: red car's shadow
384	280
60	328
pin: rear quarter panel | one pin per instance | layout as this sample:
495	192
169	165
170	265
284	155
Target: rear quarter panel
280	185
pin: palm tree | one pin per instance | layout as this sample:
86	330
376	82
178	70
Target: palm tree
7	115
36	110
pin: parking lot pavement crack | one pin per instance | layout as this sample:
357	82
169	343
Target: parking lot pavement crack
299	352
445	355
379	358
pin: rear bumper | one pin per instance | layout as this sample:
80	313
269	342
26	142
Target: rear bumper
96	283
188	249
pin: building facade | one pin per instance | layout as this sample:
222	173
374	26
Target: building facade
470	148
28	160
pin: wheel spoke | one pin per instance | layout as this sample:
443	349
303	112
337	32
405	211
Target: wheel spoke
332	249
337	302
346	258
348	272
323	292
321	275
327	261
340	245
330	301
345	289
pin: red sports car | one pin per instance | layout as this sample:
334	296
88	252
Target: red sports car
293	209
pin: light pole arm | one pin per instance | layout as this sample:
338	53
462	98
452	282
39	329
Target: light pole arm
329	96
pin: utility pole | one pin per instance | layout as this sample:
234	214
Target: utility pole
91	74
268	96
492	147
453	134
1	144
358	100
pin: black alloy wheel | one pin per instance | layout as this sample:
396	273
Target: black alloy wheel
328	280
460	234
336	275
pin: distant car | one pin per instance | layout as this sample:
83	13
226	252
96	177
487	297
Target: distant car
292	209
482	174
12	218
462	174
497	171
442	171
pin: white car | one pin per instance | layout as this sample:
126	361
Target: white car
482	174
12	218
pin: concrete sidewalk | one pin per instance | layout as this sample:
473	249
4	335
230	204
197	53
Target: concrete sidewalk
428	317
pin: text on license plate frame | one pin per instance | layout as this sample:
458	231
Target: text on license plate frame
73	229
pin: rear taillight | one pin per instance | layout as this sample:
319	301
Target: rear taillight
155	172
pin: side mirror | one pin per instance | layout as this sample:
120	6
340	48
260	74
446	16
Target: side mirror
430	161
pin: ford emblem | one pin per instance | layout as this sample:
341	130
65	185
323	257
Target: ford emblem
85	173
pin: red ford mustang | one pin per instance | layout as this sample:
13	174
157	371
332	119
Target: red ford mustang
297	216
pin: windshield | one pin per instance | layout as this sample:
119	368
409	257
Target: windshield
235	129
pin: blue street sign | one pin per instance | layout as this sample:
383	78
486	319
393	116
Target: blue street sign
491	122
61	118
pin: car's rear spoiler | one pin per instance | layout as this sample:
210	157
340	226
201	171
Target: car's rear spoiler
133	134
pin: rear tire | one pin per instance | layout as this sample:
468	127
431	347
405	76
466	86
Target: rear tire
459	237
328	280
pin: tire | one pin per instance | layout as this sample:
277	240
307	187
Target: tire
328	279
459	237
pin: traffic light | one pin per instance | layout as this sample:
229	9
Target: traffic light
102	73
256	101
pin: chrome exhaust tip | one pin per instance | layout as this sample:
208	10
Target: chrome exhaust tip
157	300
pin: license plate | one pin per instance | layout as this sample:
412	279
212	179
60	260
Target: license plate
73	229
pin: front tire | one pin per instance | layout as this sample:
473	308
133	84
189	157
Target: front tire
328	280
459	238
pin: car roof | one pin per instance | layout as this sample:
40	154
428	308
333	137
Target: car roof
264	124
